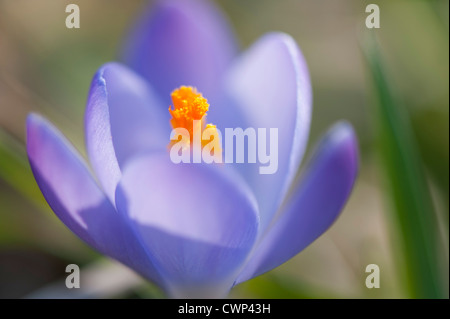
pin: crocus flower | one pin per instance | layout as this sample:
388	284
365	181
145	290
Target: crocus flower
196	230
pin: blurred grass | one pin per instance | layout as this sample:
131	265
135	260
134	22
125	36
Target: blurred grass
15	170
270	286
413	212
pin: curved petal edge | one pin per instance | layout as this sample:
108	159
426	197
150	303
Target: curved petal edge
123	118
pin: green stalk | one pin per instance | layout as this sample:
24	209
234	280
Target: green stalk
414	217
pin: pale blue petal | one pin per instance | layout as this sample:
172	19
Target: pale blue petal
314	204
197	221
181	42
72	193
269	87
123	118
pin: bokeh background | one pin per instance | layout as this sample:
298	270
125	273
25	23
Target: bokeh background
390	83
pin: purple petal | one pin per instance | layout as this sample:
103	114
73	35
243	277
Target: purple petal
123	118
181	42
269	87
197	221
314	204
76	199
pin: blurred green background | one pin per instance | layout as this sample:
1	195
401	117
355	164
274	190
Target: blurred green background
390	83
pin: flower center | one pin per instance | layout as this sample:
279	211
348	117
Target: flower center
189	106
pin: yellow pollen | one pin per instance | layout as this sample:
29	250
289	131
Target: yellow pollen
189	105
